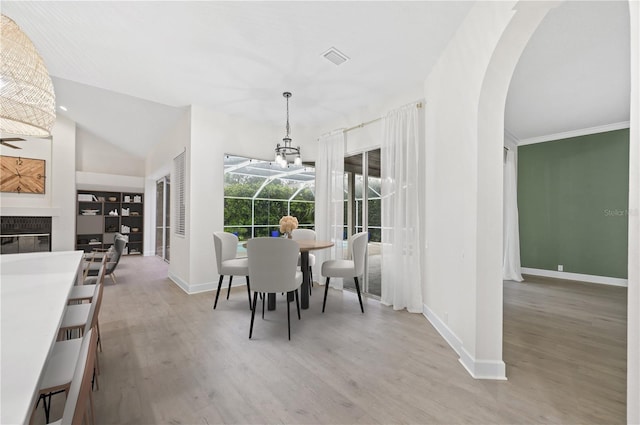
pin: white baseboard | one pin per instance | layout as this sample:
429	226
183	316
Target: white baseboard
442	328
478	369
483	369
181	283
192	289
201	287
603	280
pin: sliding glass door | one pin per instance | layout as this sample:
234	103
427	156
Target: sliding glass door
163	221
362	213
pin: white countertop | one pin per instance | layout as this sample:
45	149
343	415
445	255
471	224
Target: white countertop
33	296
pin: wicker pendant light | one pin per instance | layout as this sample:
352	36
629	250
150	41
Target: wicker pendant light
27	99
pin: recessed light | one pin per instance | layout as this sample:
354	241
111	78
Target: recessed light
64	108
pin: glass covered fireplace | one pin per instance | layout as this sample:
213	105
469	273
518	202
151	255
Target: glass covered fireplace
25	234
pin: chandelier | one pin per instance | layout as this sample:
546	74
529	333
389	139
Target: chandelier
286	150
27	99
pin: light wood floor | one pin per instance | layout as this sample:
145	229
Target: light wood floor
169	358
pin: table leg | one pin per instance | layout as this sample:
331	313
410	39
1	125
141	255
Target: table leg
306	280
271	301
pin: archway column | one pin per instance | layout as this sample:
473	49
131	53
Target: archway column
465	101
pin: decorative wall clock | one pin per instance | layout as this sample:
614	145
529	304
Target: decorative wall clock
22	175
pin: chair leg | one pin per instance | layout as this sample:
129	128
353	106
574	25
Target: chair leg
94	380
311	276
264	296
359	296
288	319
113	277
99	339
97	364
229	290
218	291
253	313
326	290
47	409
249	291
297	304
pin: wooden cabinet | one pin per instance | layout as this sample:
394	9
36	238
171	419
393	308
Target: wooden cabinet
100	215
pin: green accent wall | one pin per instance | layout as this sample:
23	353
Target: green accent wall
573	199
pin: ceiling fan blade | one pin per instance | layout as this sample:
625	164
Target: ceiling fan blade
2	142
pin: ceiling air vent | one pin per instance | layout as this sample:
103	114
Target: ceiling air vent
335	56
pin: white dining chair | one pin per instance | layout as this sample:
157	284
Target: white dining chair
59	370
348	268
226	247
272	269
77	315
78	408
85	291
67	360
306	235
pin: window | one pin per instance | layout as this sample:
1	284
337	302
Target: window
258	193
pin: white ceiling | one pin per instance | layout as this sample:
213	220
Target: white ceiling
574	73
125	70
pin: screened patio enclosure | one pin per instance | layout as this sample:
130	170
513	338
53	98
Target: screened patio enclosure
258	193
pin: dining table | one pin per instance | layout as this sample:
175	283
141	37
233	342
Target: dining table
34	288
305	247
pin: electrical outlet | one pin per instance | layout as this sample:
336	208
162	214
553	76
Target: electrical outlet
560	268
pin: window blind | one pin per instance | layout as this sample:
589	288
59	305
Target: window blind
180	166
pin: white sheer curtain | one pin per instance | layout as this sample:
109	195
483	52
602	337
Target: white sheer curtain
401	277
511	232
329	214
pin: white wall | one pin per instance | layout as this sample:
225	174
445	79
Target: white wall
206	136
63	226
633	294
465	98
365	138
213	135
98	156
58	201
369	136
108	182
159	163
